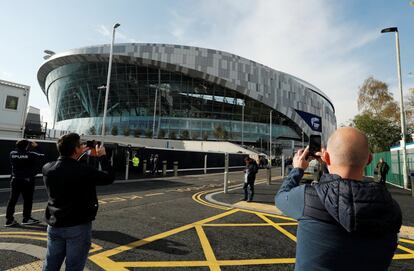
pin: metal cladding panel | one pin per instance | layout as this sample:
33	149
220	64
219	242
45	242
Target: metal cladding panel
276	89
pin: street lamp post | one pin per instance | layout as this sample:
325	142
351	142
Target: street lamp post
242	128
402	113
108	80
270	137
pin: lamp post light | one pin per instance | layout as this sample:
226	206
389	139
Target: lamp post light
108	80
402	113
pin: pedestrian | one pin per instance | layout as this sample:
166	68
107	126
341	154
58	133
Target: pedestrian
382	168
135	161
25	163
72	203
345	222
151	163
250	172
155	165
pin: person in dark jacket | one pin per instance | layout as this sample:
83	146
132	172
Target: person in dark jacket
383	169
25	165
345	222
73	204
249	178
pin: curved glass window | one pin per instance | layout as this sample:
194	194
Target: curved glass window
182	103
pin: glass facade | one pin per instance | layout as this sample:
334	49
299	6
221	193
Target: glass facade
183	105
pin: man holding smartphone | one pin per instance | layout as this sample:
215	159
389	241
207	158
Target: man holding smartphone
345	222
73	203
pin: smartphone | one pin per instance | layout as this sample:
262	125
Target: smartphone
315	142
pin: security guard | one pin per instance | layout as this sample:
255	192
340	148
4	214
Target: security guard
135	161
24	164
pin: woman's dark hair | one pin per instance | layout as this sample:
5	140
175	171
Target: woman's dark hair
67	144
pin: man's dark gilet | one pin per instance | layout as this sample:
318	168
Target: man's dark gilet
314	207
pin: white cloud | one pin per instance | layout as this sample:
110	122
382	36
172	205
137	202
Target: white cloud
308	39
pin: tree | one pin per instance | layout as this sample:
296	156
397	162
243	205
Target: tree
185	134
137	132
374	98
381	132
114	130
92	130
205	136
127	131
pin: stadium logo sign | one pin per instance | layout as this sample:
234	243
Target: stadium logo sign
314	121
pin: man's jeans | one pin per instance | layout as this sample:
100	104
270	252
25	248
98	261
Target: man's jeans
70	242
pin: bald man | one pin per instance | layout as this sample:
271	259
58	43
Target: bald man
345	222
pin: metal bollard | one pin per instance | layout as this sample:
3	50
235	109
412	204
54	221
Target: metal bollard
269	175
144	167
127	166
175	168
283	166
205	164
164	168
226	172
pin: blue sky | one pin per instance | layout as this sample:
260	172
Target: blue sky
334	45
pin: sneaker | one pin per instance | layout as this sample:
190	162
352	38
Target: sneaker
30	221
10	223
243	199
249	200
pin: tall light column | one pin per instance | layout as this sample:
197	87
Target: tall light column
270	137
402	111
242	128
108	80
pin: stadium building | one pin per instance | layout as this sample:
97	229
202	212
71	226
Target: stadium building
196	93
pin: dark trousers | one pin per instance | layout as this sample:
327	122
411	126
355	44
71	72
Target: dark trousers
26	188
383	178
248	194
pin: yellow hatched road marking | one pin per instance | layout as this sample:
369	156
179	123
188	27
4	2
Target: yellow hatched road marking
277	227
208	251
269	215
238	225
256	261
406	241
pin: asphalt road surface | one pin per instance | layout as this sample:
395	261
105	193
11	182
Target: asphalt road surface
165	224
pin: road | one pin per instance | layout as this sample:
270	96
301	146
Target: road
166	224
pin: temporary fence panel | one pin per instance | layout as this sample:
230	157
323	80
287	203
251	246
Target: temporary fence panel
393	159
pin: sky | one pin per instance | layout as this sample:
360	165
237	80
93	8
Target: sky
334	45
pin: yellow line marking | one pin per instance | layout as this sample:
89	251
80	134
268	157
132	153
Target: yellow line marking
269	215
150	239
277	227
406	241
166	264
208	251
405	249
237	225
256	261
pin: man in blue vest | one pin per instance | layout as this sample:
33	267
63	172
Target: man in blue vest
345	222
